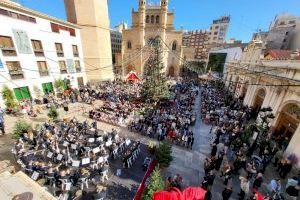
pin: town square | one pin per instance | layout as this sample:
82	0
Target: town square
149	100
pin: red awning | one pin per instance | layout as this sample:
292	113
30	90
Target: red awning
132	77
190	193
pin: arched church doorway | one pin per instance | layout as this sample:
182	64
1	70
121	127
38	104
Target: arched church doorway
259	99
171	71
287	123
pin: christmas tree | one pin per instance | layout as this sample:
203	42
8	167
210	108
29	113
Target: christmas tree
163	154
155	85
156	184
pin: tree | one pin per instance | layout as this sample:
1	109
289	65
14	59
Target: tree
163	154
37	91
155	85
59	85
8	97
53	114
20	128
156	184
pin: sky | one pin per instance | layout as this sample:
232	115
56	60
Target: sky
247	16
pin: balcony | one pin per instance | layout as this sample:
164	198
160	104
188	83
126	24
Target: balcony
63	71
9	51
78	69
44	73
17	74
39	52
60	54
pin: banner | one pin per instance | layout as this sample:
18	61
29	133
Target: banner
23	42
70	66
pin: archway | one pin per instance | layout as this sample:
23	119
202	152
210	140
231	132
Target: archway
259	99
171	71
244	90
287	123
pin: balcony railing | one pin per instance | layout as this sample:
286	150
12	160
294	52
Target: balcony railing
63	71
60	54
44	73
18	74
39	52
9	51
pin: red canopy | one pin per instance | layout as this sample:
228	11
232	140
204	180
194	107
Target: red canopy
131	76
190	193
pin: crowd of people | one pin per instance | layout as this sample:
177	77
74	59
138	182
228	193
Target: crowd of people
71	155
231	156
171	119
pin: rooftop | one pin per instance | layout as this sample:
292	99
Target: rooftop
277	54
17	7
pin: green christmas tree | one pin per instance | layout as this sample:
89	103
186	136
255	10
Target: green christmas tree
155	85
163	154
156	184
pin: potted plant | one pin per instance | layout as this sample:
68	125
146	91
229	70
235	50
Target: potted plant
9	99
20	128
155	184
53	114
163	154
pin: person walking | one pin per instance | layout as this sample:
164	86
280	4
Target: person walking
2	128
257	181
245	187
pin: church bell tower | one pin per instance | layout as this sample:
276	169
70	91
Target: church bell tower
93	19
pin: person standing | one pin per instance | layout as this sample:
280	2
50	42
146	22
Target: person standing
66	106
2	128
258	181
245	187
227	193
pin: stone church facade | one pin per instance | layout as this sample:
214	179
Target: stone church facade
149	23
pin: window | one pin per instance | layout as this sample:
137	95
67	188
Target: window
147	19
216	27
282	23
75	51
43	69
77	66
37	47
56	29
216	33
15	70
174	46
62	67
152	19
59	50
157	19
7	46
292	22
17	16
129	45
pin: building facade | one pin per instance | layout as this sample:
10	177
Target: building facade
270	79
151	23
218	30
283	33
204	40
95	36
199	40
36	50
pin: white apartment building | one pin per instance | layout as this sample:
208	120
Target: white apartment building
36	50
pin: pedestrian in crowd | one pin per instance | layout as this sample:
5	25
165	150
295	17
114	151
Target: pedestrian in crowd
274	186
245	187
208	195
227	193
292	188
257	181
210	179
168	183
66	106
2	127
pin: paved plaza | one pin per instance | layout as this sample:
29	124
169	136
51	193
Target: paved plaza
187	163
